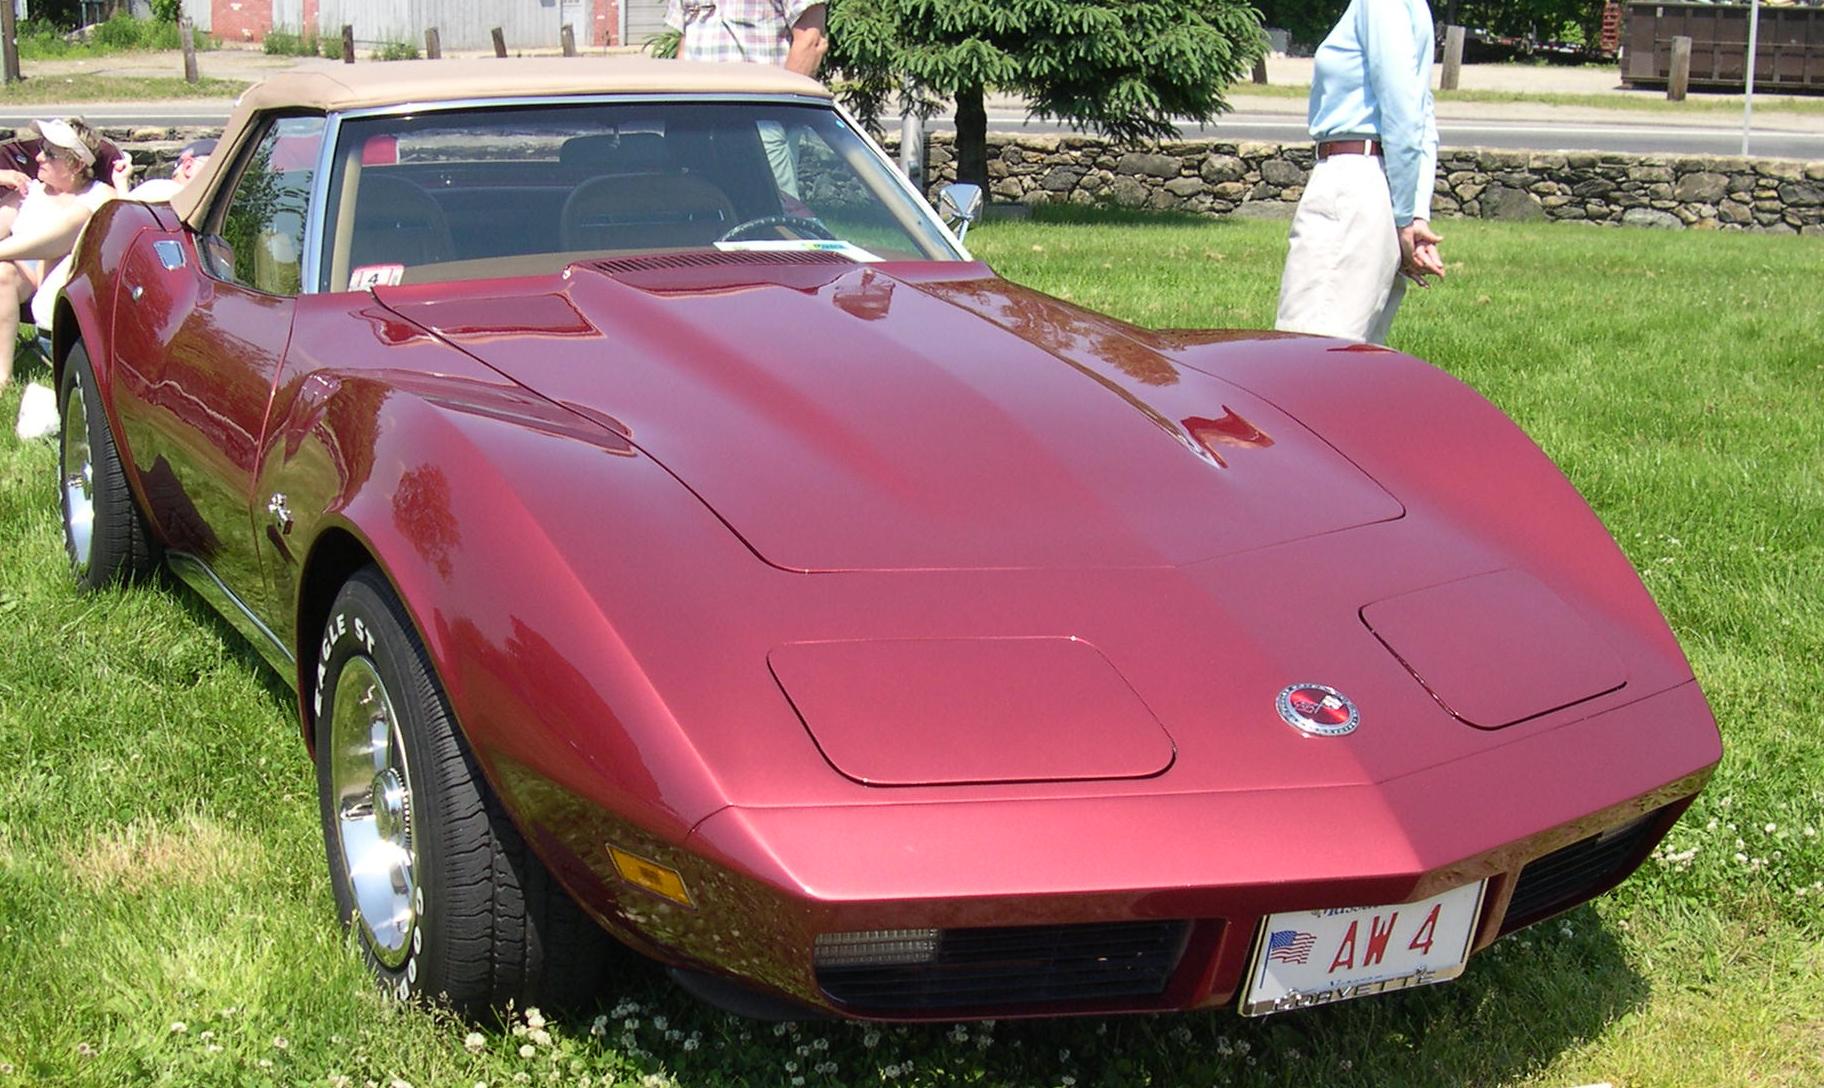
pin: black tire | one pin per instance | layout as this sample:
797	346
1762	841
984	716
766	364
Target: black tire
118	546
488	924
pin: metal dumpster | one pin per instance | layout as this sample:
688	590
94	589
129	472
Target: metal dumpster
1789	55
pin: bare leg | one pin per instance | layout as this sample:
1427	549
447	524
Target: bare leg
16	286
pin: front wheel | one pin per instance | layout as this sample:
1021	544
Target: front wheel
104	532
438	887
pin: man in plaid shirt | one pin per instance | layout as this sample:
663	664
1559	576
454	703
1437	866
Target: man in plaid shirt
783	32
789	33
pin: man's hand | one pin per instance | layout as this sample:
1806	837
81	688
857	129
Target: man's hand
809	42
1419	255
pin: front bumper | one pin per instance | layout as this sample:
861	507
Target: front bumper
1561	816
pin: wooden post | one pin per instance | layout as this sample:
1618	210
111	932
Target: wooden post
1260	69
568	36
500	42
1681	69
187	39
348	43
10	46
433	44
1453	58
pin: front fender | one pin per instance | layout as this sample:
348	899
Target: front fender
521	538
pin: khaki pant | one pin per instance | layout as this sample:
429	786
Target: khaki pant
1342	273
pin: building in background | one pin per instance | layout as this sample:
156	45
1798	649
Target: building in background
461	24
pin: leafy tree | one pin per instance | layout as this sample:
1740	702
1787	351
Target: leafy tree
1117	66
1309	20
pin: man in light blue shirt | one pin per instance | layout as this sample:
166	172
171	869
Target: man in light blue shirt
1362	229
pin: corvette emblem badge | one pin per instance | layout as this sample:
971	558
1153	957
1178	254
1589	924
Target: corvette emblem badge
1318	711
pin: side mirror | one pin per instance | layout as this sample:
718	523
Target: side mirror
959	204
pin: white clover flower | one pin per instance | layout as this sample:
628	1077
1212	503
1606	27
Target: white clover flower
85	1050
1771	828
791	1067
802	1051
780	1028
691	1043
264	1063
820	1044
212	1048
279	1042
1345	1065
870	1039
632	1023
674	1035
1067	1081
539	1036
178	1027
474	1043
1741	857
400	1082
534	1018
599	1026
526	1050
519	1029
659	1023
337	1080
797	1082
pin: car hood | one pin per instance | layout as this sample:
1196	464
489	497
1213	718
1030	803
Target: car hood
906	416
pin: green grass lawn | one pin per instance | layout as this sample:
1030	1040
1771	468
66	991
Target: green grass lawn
90	88
165	917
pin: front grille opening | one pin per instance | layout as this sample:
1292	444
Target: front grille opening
1566	877
1018	965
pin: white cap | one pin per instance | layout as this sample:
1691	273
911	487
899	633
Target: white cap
61	134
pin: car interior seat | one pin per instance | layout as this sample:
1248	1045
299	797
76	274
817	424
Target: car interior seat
638	197
397	222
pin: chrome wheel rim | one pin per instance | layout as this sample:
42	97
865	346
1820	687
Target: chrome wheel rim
371	790
78	480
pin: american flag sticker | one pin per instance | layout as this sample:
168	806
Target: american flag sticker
1289	945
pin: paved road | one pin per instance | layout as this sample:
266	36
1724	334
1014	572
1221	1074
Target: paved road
1644	137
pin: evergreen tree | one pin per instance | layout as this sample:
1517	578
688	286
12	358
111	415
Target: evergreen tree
1122	67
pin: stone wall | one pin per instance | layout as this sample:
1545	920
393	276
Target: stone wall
1213	177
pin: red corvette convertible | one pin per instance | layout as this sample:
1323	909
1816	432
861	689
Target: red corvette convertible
672	533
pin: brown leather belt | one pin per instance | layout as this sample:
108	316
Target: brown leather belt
1327	148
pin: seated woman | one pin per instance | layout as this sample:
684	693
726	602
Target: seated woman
51	211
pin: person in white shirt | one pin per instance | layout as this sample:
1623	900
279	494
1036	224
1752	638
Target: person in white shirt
1362	227
54	208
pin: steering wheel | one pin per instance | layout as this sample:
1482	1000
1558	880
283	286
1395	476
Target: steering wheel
807	226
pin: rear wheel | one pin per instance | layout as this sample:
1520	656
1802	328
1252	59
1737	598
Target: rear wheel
437	885
103	531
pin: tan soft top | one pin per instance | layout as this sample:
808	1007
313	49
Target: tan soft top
329	86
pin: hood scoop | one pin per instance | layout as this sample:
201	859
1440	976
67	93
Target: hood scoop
703	258
692	272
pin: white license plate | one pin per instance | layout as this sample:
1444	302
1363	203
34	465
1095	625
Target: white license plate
1313	957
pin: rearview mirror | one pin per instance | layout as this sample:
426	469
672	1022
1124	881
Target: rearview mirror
959	204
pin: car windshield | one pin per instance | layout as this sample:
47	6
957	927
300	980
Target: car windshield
496	191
